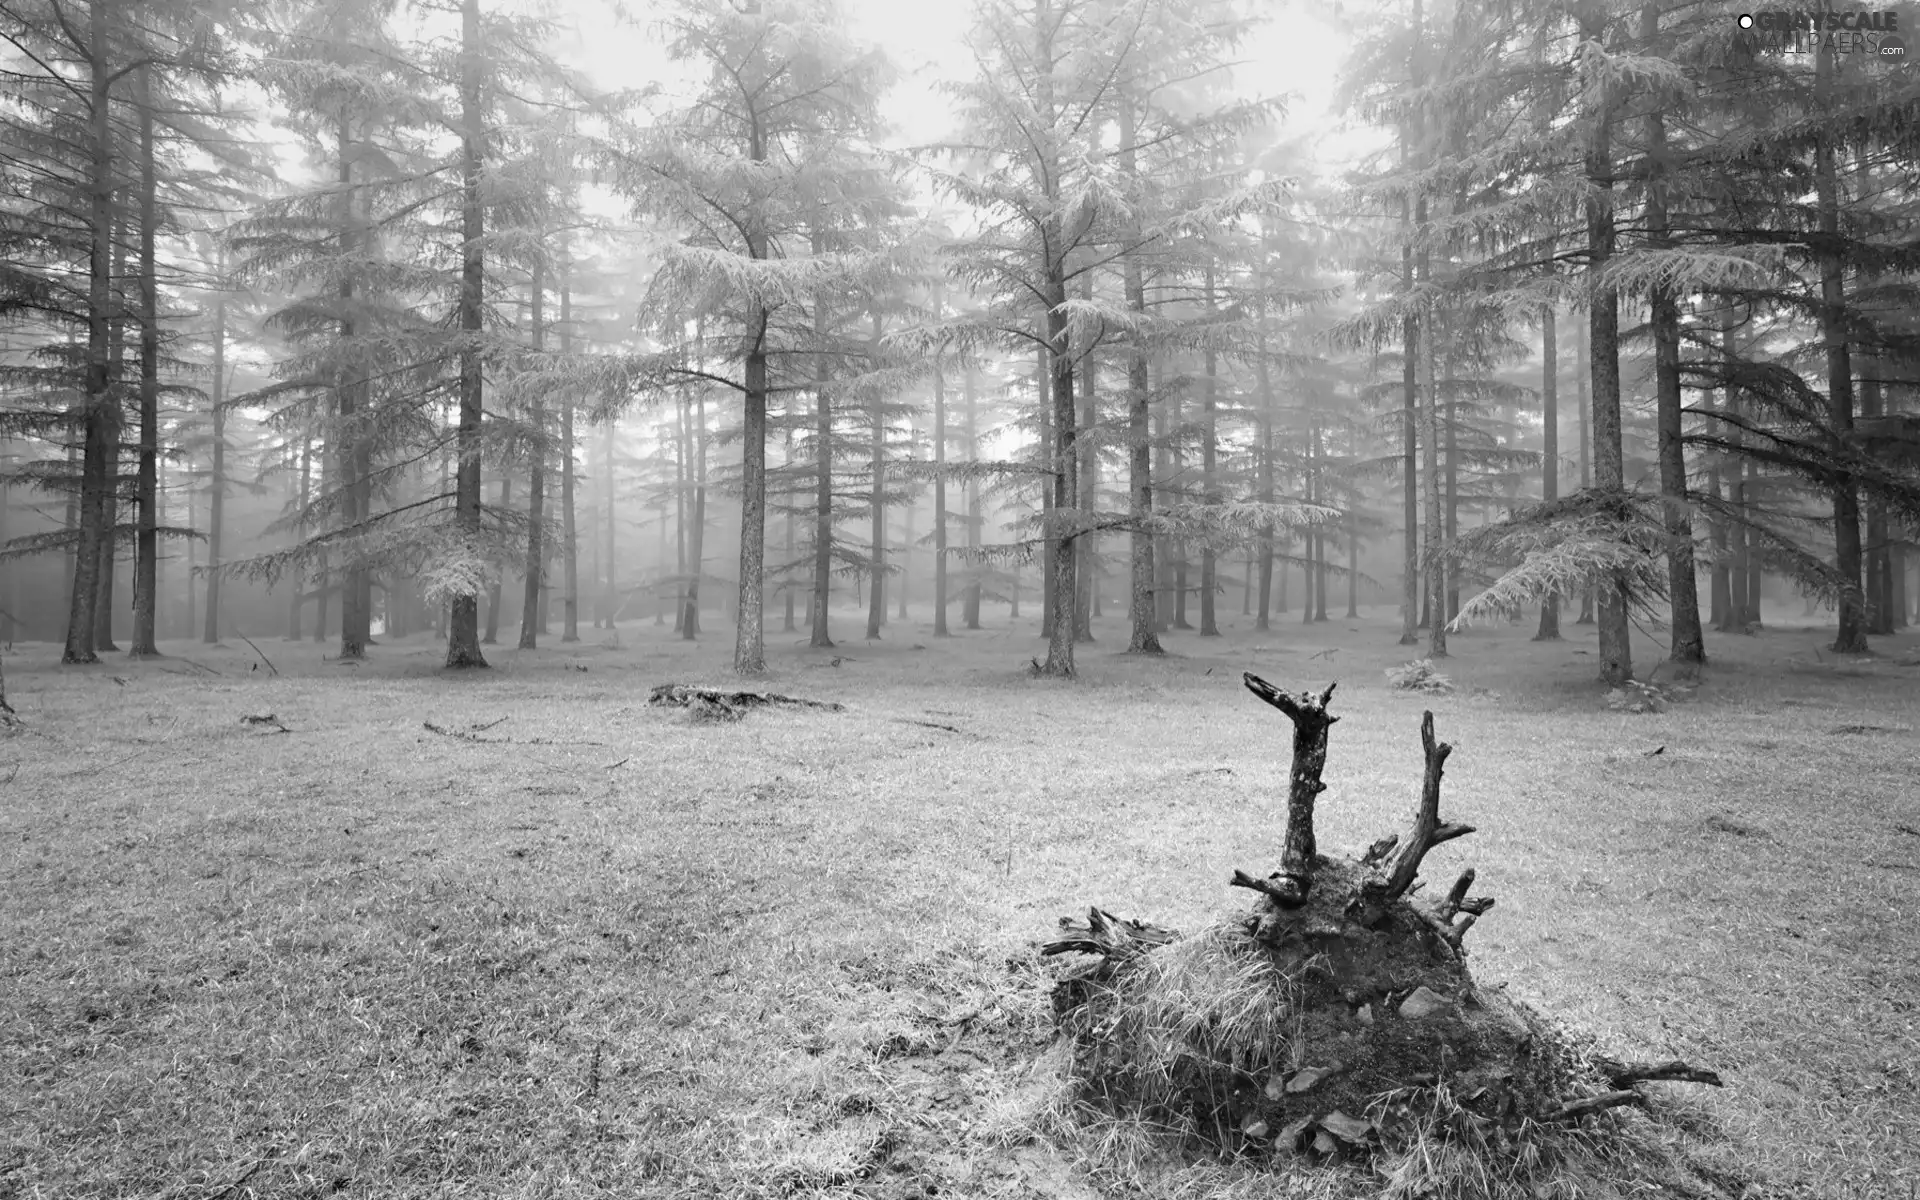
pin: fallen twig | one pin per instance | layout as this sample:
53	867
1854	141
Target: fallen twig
1626	1074
263	658
469	736
269	719
623	762
462	734
1575	1109
936	725
490	724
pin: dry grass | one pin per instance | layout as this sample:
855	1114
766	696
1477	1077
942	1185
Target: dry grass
605	950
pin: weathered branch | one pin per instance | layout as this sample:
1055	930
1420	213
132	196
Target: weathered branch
1575	1109
1428	831
1308	712
1106	935
1276	891
1626	1074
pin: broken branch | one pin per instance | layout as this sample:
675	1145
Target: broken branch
1107	935
1575	1109
1310	724
1428	831
1626	1074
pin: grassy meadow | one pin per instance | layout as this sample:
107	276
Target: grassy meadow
570	946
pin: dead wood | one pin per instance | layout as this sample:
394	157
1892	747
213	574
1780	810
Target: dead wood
468	735
1573	1110
1428	830
1626	1074
1288	887
1109	936
721	704
1339	993
268	720
263	658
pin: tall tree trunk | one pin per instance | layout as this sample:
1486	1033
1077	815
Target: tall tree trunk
1165	587
350	455
146	570
1687	644
877	507
1209	460
939	499
193	563
1410	589
610	589
305	498
1603	325
95	411
682	490
1450	413
906	554
217	479
787	585
1178	546
1049	537
1549	449
1878	552
1851	637
570	550
970	611
463	626
1410	595
1263	621
823	483
1582	385
1724	611
1430	439
116	427
750	643
1353	562
1086	582
1065	467
697	547
1142	604
536	471
496	592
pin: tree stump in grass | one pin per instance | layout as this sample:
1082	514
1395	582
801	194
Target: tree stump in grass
1337	1020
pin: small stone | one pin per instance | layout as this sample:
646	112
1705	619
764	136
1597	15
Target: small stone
1423	1003
1289	1137
1365	1014
1306	1079
1255	1129
1276	1088
1324	1144
1348	1129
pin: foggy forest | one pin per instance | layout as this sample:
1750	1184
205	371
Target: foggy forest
751	598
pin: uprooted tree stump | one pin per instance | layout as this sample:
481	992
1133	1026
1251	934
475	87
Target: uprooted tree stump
722	704
1337	1020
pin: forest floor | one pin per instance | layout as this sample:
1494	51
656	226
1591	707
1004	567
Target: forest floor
567	945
